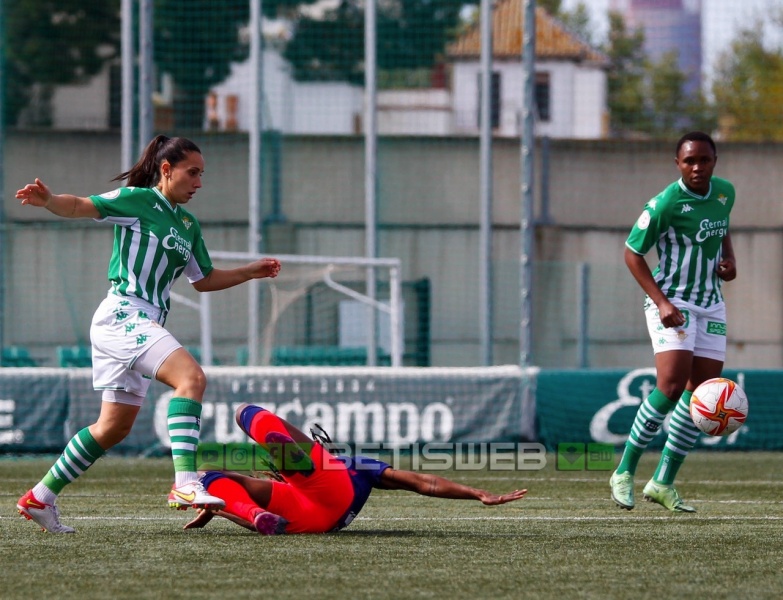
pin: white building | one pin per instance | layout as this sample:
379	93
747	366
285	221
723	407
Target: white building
570	87
570	92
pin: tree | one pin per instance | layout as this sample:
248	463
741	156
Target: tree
329	49
625	79
196	42
54	42
412	34
278	8
550	6
748	87
671	110
649	98
577	20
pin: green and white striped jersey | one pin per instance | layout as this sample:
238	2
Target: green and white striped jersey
153	244
687	231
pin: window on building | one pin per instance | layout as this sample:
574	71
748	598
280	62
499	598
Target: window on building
494	108
543	97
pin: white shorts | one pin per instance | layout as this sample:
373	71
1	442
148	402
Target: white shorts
704	331
128	347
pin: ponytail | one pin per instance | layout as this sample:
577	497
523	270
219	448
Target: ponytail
146	172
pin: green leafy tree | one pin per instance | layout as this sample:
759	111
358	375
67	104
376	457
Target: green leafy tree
577	20
550	6
748	88
666	94
196	42
671	110
329	49
626	77
412	34
54	42
282	8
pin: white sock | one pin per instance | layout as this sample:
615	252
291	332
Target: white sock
183	478
44	494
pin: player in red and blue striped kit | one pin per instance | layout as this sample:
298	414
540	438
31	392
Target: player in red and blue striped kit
317	492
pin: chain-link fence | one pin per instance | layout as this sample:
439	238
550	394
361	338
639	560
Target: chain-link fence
282	119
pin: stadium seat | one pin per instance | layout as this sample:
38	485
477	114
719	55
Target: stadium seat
74	356
334	356
195	352
17	356
243	355
325	356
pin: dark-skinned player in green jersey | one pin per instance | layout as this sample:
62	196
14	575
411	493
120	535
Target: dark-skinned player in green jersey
688	224
155	242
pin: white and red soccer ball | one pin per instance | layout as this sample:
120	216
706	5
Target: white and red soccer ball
719	406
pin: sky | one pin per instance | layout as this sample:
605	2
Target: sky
721	20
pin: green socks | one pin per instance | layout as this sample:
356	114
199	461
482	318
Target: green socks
683	435
645	426
184	421
79	455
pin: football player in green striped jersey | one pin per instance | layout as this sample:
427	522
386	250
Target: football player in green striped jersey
156	240
688	224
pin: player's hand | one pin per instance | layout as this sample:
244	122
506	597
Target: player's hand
202	518
727	269
35	194
266	267
495	499
670	315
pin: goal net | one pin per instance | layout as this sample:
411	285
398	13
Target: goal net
320	310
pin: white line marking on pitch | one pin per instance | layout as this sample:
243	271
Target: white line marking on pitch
628	519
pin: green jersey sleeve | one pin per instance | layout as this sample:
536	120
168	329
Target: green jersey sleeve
121	202
647	229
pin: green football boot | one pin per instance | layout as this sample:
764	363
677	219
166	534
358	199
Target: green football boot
666	496
622	489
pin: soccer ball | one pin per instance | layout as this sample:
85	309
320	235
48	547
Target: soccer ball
719	406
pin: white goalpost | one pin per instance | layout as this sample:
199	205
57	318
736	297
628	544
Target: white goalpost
318	305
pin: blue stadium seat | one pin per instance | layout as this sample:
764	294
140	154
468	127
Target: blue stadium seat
327	356
74	356
17	356
319	355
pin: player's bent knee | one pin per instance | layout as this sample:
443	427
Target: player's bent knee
238	413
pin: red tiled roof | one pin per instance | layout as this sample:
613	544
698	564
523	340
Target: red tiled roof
553	40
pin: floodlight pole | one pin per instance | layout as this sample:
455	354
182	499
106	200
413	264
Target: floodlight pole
127	106
370	164
485	160
2	183
146	116
255	187
527	159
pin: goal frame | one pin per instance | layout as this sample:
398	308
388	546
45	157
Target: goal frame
393	310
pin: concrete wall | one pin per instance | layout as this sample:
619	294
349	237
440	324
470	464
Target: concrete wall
428	213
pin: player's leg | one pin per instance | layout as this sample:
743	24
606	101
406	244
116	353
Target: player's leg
276	424
171	364
320	493
289	448
672	377
709	355
683	434
127	337
673	349
120	406
87	446
246	499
